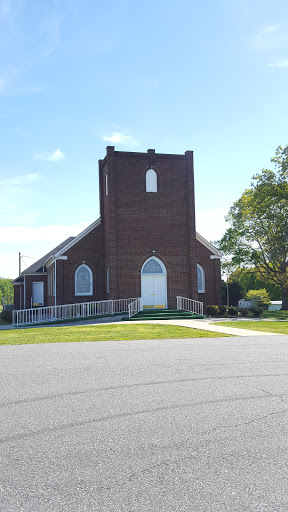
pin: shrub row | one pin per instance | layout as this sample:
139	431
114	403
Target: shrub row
6	316
214	310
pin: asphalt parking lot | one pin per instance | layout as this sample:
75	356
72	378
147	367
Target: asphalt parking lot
173	425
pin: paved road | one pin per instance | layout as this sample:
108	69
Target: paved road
176	425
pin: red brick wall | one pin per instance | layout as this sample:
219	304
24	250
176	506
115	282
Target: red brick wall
29	279
211	268
141	222
87	251
18	296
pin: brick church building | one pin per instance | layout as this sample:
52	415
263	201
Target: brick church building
143	245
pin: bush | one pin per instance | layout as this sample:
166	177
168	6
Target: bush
222	310
256	312
262	296
232	311
6	316
212	310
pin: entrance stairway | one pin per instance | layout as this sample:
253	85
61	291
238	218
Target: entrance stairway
165	314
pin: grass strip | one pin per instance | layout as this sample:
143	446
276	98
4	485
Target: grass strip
277	315
101	333
265	326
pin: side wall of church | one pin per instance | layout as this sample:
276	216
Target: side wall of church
18	296
212	272
87	251
29	280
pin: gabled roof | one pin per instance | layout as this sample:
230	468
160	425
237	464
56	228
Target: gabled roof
61	250
209	246
38	266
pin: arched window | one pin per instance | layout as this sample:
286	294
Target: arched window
200	279
151	181
83	281
152	266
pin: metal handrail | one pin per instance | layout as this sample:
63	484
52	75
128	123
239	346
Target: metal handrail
134	307
70	311
193	306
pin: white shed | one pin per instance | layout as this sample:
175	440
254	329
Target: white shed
275	305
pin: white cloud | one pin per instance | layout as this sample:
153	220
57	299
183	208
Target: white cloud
282	63
56	156
120	138
9	264
270	36
26	179
211	224
24	234
31	242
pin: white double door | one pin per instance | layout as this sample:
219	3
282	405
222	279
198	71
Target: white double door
154	291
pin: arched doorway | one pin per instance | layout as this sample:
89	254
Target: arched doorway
154	284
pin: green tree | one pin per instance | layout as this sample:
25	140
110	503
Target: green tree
258	232
249	279
235	293
262	296
6	290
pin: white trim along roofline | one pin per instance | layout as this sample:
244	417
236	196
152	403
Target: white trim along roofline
35	274
75	240
216	253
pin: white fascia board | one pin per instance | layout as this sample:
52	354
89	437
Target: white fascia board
54	258
78	238
36	274
209	246
75	240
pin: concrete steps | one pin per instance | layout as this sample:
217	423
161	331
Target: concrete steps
165	314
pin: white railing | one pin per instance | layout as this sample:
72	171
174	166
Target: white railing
194	306
134	307
70	311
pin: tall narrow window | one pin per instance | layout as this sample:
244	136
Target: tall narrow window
151	181
106	184
51	281
200	279
83	281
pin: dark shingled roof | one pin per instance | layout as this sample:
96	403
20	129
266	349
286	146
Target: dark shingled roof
38	265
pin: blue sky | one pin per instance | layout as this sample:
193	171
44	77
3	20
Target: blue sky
207	76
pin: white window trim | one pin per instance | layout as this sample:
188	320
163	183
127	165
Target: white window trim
151	181
202	289
106	184
91	281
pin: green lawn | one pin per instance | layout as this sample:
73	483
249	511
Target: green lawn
278	315
273	326
100	333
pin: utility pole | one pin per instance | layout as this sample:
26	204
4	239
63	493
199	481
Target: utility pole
228	300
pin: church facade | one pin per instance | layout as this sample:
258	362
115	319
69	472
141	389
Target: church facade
143	245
